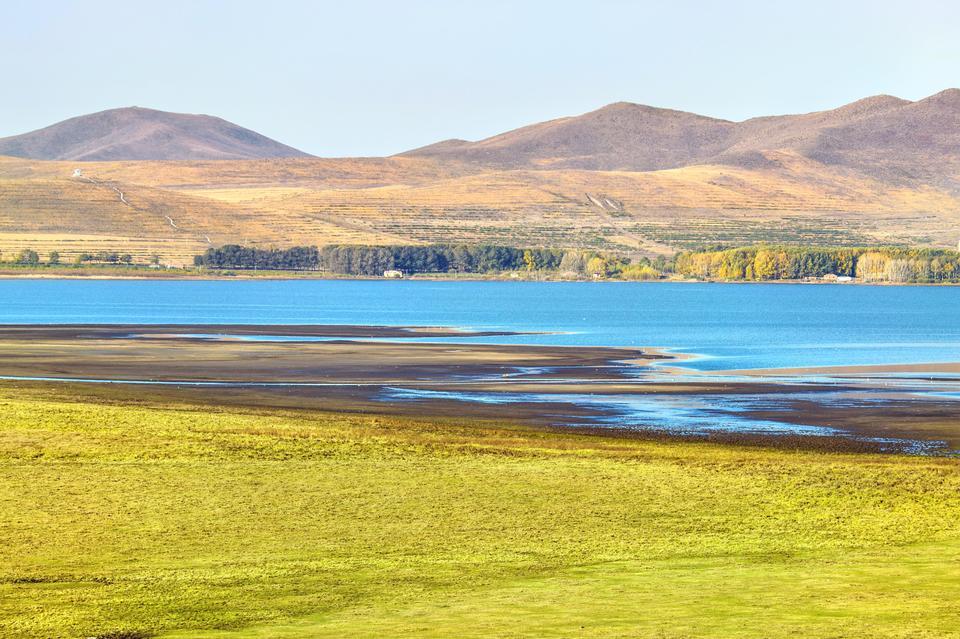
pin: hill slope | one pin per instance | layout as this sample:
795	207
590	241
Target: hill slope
882	136
626	178
135	133
618	136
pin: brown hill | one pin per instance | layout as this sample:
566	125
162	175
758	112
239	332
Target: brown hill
627	178
882	136
618	136
915	141
135	133
178	209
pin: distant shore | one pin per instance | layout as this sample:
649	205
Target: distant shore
139	274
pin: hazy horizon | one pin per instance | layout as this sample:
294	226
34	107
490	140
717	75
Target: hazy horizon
378	78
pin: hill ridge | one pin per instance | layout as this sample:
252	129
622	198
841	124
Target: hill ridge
625	178
139	133
876	135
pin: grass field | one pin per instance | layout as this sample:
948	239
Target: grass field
198	521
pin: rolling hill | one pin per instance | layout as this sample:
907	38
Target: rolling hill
621	136
883	135
626	178
134	133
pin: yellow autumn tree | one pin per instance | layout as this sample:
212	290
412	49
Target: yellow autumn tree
765	265
872	267
597	266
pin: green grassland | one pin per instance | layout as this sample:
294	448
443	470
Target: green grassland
196	521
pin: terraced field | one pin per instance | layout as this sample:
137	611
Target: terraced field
178	209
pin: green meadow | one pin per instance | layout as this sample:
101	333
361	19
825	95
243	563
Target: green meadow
121	519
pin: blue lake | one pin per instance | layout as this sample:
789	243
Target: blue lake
732	326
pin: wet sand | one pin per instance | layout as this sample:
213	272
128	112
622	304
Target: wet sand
91	331
173	353
585	388
886	370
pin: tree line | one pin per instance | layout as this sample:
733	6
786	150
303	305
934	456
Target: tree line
233	256
437	258
348	259
751	263
29	257
761	263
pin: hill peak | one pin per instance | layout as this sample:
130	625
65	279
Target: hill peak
947	97
882	100
614	107
139	133
635	108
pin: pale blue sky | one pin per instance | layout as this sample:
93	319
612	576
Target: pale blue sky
377	77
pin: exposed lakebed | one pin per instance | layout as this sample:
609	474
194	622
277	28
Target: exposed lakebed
738	363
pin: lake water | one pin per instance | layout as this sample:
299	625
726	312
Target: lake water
732	326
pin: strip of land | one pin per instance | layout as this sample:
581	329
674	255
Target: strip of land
192	331
358	369
847	371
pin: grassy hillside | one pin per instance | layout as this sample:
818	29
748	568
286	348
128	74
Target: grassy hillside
44	208
625	178
178	209
186	521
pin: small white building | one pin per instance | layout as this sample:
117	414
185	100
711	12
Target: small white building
393	275
77	173
833	277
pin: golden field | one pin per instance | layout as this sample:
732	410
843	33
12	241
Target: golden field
178	209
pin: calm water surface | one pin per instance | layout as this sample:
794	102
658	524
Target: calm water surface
729	326
732	326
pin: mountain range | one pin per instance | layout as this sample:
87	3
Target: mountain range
883	136
626	178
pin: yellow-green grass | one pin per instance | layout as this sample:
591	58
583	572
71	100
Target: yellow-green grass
196	521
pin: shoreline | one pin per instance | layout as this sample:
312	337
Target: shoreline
655	359
223	332
161	275
630	392
839	371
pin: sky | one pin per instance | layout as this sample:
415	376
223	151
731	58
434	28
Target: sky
365	77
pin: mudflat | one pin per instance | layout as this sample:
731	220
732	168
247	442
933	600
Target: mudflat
616	392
